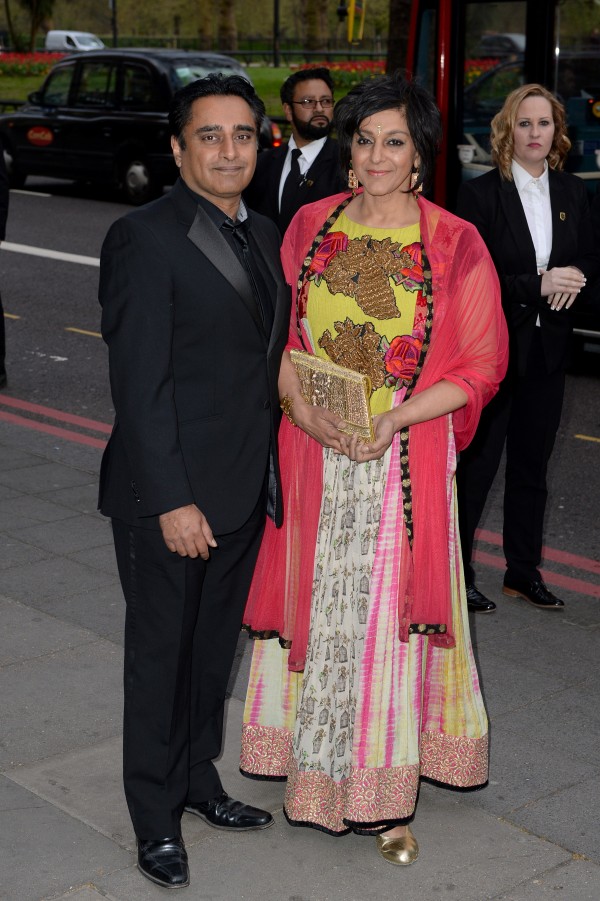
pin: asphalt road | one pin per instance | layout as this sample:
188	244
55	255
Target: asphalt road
56	358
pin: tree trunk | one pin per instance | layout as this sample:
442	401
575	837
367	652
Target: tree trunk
205	24
227	29
397	35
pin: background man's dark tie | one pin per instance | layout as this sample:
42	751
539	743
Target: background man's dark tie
290	191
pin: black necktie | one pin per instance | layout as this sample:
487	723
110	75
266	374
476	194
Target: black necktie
290	191
242	249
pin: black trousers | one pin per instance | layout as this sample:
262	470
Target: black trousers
525	414
182	625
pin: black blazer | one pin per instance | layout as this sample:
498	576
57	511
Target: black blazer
193	373
493	205
324	178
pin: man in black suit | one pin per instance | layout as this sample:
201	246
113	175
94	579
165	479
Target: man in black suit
195	315
308	167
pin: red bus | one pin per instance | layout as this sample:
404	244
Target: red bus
472	53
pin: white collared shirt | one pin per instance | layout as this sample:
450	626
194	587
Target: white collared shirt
535	197
308	155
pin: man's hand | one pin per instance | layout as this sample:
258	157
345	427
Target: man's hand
186	532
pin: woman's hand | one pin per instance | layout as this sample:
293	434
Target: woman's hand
385	428
562	281
560	301
321	424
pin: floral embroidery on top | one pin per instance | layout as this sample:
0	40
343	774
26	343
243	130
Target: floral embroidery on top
367	269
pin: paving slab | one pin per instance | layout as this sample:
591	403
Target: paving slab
462	855
68	535
16	553
87	784
43	477
568	817
83	498
65	700
29	510
101	609
17	458
44	852
53	577
577	880
28	634
102	558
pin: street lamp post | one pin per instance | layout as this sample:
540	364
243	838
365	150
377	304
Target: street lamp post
112	5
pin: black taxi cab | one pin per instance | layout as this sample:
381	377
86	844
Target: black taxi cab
102	116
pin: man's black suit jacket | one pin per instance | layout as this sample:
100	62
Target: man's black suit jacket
493	205
193	374
324	178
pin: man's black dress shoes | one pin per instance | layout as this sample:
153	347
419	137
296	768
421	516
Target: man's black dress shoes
225	813
164	861
477	602
533	591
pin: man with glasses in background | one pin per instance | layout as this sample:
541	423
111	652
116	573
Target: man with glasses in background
307	168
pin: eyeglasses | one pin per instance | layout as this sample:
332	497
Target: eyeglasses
309	103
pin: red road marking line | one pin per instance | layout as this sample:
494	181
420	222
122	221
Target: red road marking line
548	553
55	414
551	578
52	430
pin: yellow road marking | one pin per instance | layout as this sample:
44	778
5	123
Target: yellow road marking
82	331
11	316
588	438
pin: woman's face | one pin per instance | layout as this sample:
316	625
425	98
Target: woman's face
383	154
533	134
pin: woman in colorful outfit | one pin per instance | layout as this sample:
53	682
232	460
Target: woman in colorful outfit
372	682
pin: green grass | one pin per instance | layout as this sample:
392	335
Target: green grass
17	87
267	82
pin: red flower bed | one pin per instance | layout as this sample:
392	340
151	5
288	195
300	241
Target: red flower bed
27	63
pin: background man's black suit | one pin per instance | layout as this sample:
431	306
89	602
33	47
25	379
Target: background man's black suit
322	179
194	382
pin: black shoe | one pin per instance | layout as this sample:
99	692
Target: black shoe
533	591
164	861
477	602
225	813
2	380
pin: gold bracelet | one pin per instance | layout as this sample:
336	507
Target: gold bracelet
286	403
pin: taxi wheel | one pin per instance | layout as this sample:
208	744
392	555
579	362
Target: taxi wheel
137	182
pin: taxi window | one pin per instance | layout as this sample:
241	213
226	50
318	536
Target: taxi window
97	85
138	88
58	85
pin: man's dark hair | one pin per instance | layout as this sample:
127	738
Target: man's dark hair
287	88
392	92
213	85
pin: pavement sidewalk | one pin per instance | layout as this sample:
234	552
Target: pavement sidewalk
532	833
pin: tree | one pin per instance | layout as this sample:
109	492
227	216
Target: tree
398	35
227	27
39	12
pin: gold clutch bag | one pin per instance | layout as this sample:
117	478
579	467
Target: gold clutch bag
341	390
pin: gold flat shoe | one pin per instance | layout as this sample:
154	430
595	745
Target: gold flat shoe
400	851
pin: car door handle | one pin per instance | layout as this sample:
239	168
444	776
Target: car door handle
107	131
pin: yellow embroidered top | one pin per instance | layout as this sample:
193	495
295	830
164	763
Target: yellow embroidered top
366	309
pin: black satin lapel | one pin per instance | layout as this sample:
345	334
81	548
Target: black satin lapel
209	241
517	223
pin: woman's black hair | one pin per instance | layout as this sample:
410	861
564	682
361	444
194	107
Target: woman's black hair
392	92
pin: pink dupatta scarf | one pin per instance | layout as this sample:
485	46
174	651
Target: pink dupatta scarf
469	346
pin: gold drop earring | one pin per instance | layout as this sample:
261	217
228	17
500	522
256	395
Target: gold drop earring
352	180
413	181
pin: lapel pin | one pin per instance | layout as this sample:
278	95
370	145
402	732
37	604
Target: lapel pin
562	216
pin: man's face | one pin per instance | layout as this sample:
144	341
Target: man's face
310	122
220	144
